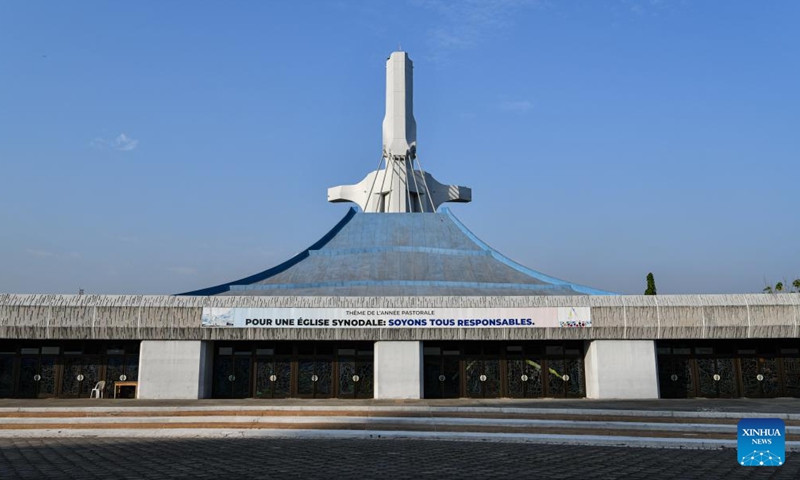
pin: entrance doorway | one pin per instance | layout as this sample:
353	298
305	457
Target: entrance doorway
64	369
38	376
729	368
293	369
503	369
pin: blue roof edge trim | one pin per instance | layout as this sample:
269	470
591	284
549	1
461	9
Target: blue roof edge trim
278	268
516	266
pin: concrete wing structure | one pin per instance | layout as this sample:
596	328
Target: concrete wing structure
399	255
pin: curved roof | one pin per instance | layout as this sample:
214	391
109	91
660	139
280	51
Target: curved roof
390	254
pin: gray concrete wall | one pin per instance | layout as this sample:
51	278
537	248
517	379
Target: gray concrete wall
174	369
613	317
621	369
398	370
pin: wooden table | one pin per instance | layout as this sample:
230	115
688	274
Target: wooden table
118	385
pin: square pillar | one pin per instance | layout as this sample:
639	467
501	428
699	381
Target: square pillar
398	370
621	369
175	369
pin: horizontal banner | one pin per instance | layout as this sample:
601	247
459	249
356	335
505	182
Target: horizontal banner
534	317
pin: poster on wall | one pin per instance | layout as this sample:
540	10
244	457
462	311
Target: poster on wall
465	318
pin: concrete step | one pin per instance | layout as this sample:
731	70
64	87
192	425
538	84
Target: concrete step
592	427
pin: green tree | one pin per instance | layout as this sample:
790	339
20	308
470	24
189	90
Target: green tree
651	285
780	286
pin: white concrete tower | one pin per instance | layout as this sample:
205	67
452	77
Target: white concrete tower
399	126
398	187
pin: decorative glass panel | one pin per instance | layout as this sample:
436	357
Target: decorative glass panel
555	374
70	385
514	371
324	370
347	368
491	371
791	376
750	384
365	370
264	370
305	370
473	371
115	366
575	384
91	375
726	386
532	367
771	385
283	378
706	369
47	370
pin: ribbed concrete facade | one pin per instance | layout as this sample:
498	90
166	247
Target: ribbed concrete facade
613	317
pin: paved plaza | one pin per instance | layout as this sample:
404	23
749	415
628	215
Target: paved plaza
89	458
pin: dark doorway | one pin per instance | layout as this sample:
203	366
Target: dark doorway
504	369
728	368
293	369
67	369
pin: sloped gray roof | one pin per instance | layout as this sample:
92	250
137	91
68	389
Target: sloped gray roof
391	254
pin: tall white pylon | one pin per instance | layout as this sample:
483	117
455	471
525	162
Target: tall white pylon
398	187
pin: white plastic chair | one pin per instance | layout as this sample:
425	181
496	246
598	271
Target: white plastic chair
98	389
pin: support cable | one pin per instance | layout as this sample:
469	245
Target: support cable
425	182
391	179
408	185
416	185
369	195
383	182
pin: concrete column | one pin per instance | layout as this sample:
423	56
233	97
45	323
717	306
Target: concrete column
174	369
621	369
398	370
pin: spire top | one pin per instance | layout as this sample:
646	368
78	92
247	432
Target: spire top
399	187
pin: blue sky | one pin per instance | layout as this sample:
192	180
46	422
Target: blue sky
160	147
